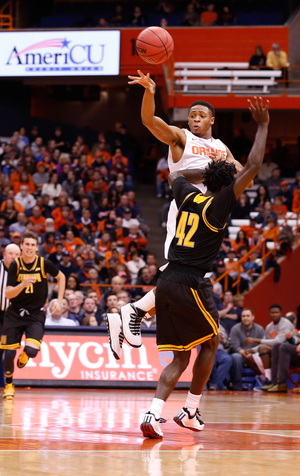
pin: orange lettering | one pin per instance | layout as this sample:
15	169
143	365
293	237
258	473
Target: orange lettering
195	150
202	150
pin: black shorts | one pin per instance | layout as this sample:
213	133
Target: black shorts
15	326
185	310
1	321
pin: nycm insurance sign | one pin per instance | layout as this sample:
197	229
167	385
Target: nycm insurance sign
60	53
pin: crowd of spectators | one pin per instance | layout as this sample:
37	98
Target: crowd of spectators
164	13
80	201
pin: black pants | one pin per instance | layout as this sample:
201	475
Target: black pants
284	356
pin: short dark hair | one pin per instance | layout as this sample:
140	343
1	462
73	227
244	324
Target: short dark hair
218	174
29	234
273	306
203	103
248	309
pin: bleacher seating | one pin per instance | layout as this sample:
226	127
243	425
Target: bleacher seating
217	78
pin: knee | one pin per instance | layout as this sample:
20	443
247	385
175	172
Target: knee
31	351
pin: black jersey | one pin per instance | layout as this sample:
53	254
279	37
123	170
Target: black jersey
33	296
200	224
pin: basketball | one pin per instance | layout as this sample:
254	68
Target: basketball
154	45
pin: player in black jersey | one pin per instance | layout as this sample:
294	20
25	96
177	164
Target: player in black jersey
186	313
27	290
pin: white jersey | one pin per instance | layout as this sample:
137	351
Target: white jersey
195	156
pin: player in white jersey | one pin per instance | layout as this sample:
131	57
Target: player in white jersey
189	150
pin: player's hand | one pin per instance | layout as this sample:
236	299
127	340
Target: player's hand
215	157
56	308
259	112
28	281
143	80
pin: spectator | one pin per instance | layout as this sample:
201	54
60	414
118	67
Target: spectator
271	231
73	282
136	235
274	333
209	17
225	17
9	211
41	177
220	374
241	355
258	60
228	312
273	183
90	321
49	243
37	220
162	173
266	169
276	58
57	319
89	308
20	225
191	17
242	208
65	265
262	195
128	221
53	188
146	280
118	18
24	198
134	265
296	195
56	255
76	313
279	208
286	194
267	212
241	240
138	18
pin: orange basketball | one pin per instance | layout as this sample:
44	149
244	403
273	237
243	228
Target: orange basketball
154	45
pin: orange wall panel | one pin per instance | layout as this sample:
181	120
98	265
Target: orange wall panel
206	44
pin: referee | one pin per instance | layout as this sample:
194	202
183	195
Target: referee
10	253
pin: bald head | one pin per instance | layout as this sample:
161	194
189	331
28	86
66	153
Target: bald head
10	253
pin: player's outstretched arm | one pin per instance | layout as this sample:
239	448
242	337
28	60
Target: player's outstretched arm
160	129
260	114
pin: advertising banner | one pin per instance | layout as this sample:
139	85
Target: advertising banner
86	360
59	53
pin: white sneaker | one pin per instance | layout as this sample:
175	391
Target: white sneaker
131	324
185	420
150	426
115	333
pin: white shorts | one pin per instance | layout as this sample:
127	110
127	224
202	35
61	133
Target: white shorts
171	221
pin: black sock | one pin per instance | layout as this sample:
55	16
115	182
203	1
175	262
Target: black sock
8	379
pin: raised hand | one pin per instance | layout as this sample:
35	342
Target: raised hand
143	80
260	113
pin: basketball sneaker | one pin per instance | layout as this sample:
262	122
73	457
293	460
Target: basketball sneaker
9	391
115	333
150	426
185	420
22	360
131	322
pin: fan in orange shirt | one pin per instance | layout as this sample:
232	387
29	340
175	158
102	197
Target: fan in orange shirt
71	242
271	231
104	243
37	220
279	208
25	179
209	16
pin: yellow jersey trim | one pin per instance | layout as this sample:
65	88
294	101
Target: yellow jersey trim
183	348
211	227
42	261
206	314
34	264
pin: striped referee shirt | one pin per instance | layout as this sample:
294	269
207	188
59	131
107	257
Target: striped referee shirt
4	302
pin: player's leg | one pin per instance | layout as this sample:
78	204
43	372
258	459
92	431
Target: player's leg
167	381
132	314
10	341
189	416
34	332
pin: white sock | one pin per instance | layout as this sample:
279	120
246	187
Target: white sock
192	402
147	302
268	374
157	407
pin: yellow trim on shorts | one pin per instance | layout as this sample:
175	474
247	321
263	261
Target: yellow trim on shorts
183	348
206	314
34	341
10	346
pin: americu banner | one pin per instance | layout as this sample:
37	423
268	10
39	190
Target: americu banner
86	360
59	53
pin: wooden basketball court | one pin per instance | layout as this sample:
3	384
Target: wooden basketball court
96	432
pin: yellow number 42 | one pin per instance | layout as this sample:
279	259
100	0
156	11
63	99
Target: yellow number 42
184	236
